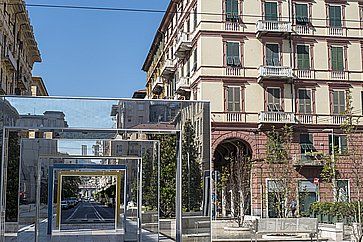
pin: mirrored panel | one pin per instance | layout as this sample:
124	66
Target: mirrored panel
164	192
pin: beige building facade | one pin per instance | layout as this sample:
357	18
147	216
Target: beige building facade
18	48
264	64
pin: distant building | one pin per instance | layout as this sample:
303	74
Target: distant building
84	150
33	149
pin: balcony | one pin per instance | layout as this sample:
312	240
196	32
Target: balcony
333	119
157	86
312	159
274	72
168	69
266	27
183	45
9	59
276	117
183	86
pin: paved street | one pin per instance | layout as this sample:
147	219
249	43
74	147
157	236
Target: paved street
88	212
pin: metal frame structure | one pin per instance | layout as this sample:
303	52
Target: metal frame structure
175	131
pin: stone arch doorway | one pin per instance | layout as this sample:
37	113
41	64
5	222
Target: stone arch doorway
232	170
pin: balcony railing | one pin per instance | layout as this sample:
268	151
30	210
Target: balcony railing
183	44
321	119
233	71
276	117
339	75
157	86
266	26
336	31
303	29
232	26
309	159
9	59
280	72
183	85
168	69
304	74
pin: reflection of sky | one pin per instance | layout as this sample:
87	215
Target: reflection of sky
79	113
75	147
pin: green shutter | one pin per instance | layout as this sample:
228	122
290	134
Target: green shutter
301	14
303	57
337	58
232	10
271	11
335	16
237	98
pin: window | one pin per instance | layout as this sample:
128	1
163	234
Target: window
273	100
304	101
234	99
307	195
338	102
306	143
301	15
275	190
272	55
337	58
271	11
303	57
340	144
232	10
233	54
343	190
335	16
195	57
140	107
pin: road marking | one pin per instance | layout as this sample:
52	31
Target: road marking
73	213
98	214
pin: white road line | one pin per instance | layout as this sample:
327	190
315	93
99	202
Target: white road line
98	214
69	218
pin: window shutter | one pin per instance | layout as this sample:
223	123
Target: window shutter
339	55
335	102
228	9
237	99
235	9
343	144
341	101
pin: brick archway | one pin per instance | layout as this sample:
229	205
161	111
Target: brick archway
247	138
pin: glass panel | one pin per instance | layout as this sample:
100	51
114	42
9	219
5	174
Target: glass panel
343	190
272	55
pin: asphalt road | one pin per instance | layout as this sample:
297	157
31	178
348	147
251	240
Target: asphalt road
88	212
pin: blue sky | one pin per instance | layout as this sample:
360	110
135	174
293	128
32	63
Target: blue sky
94	53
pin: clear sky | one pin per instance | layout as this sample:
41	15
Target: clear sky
94	53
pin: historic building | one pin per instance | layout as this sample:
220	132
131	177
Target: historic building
264	64
18	49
